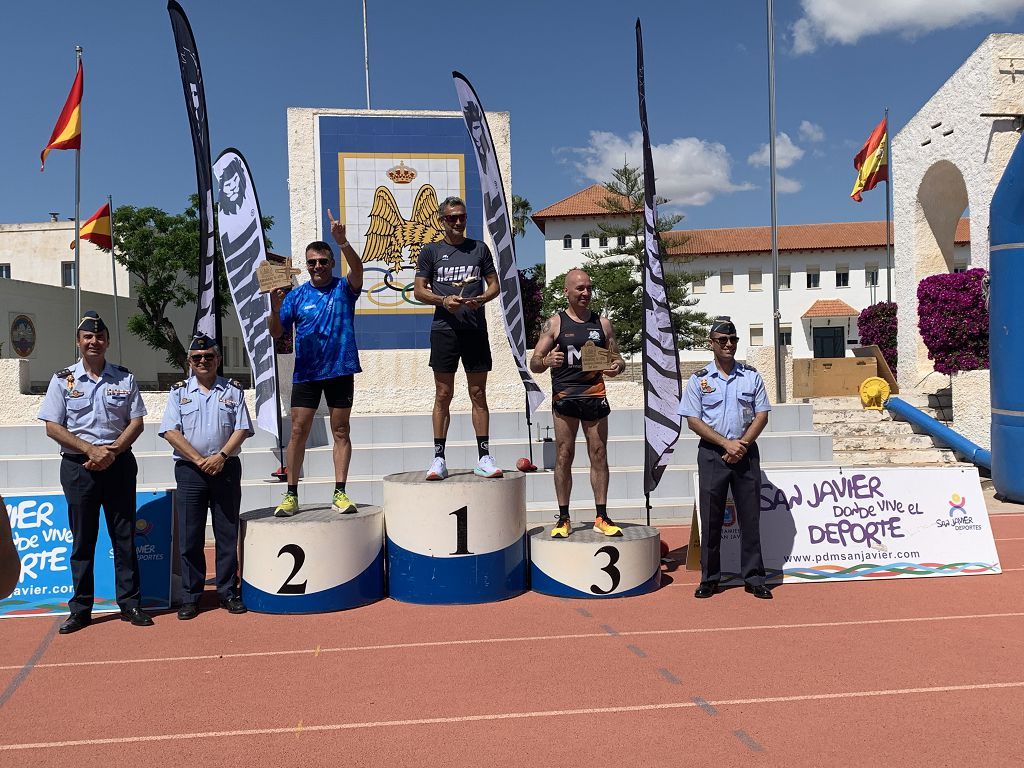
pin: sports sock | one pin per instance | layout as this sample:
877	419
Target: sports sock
602	510
439	447
481	445
563	510
339	486
293	489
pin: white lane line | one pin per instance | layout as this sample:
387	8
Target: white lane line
528	639
690	704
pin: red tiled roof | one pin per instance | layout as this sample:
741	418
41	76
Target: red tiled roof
830	308
797	237
586	202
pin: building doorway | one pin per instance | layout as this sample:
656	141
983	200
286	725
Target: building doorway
829	342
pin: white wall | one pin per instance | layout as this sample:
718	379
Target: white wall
35	252
559	259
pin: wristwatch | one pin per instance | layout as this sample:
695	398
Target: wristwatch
224	455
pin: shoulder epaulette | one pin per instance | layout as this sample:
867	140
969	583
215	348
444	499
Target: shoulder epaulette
749	367
62	373
177	385
236	384
701	372
120	368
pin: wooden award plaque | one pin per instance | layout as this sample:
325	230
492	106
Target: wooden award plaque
272	276
595	358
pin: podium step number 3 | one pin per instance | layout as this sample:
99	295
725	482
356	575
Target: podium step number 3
317	561
460	540
590	564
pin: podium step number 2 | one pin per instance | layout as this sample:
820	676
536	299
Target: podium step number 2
317	561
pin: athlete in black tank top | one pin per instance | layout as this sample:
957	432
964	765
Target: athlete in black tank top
578	396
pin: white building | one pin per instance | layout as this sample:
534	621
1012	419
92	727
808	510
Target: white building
828	272
37	307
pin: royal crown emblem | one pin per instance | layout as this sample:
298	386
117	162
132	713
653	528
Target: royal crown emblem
401	173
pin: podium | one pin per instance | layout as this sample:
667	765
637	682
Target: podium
460	540
316	561
591	565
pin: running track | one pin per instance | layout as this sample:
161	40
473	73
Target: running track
920	672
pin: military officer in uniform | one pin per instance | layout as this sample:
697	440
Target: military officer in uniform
93	410
206	421
726	405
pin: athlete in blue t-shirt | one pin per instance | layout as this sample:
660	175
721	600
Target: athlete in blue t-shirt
326	357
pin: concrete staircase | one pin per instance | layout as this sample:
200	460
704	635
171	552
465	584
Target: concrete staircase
29	462
876	438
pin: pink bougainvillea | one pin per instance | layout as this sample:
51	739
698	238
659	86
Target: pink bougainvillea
953	320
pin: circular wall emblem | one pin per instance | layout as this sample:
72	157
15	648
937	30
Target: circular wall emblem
23	335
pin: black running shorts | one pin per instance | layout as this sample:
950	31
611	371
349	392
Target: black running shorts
337	391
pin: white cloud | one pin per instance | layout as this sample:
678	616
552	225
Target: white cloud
786	153
690	171
787	186
842	21
811	131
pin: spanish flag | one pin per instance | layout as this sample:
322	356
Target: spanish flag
97	228
67	134
872	162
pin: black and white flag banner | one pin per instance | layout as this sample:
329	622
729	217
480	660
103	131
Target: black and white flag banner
662	387
207	313
240	227
498	231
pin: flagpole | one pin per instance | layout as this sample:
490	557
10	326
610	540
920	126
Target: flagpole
78	244
113	277
366	57
888	211
779	390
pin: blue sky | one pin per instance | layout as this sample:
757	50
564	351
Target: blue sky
564	70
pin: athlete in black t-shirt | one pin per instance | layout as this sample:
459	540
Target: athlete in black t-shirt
457	277
578	395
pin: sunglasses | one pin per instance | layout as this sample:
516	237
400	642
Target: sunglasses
198	358
318	262
723	340
455	218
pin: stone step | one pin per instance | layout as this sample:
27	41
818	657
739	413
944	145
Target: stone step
913	457
849	415
841	429
900	442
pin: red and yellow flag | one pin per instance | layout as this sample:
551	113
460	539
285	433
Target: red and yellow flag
872	162
97	228
67	133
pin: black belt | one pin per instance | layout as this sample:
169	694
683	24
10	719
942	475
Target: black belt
81	458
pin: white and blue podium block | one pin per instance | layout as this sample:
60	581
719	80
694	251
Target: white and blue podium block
460	540
317	561
590	564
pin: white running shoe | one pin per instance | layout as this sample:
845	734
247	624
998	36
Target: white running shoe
438	469
486	467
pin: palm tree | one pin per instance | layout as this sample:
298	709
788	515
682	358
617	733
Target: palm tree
521	210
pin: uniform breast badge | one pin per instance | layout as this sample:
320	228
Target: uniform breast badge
706	388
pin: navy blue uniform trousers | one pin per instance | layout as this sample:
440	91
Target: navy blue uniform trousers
716	477
87	491
222	494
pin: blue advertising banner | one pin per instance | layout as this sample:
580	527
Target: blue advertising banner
384	176
42	535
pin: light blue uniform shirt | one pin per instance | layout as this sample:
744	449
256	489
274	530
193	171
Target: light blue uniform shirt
95	411
206	419
727	404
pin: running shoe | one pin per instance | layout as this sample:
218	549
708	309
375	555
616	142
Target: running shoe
562	528
606	526
343	504
438	469
486	467
289	506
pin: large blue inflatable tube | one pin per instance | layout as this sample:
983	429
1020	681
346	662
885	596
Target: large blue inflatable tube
953	440
1006	327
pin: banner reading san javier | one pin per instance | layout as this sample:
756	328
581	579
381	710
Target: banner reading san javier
838	524
42	536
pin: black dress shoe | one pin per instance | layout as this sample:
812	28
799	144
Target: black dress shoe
188	611
233	605
759	591
137	616
75	622
706	589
